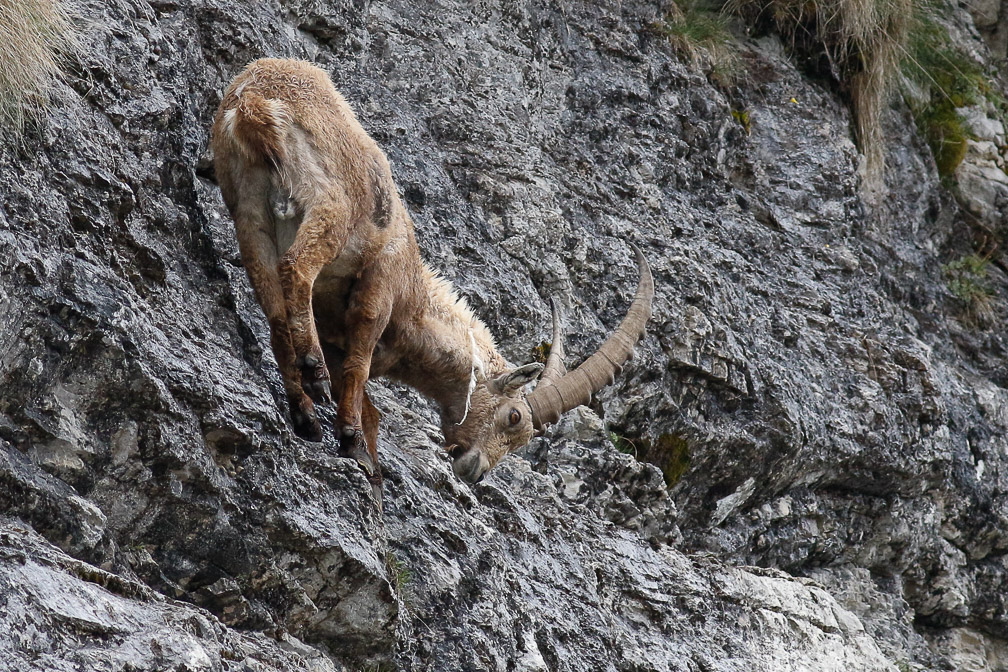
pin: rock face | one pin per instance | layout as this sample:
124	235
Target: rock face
62	614
982	177
834	432
991	19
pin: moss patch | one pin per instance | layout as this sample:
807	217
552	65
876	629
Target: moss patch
742	117
669	452
946	135
540	353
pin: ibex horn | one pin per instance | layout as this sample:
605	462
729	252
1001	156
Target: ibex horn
558	390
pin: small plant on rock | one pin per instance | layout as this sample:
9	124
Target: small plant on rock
400	577
966	278
699	30
623	444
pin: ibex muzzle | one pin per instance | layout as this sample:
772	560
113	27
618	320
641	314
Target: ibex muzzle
330	251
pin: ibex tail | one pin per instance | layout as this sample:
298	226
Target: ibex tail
259	126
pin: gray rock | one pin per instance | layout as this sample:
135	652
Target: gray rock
62	614
991	18
845	502
982	182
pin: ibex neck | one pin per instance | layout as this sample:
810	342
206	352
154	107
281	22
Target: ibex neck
449	344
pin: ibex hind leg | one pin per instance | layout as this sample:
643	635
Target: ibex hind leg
320	239
254	228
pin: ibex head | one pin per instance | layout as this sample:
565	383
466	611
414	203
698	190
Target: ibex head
500	419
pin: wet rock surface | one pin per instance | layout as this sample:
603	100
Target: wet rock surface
834	432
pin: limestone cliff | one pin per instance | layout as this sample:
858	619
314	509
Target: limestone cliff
833	427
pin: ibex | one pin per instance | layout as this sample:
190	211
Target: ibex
330	251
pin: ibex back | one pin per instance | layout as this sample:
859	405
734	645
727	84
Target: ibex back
330	251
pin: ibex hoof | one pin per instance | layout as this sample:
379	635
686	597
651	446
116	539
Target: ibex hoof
324	391
353	445
306	424
315	379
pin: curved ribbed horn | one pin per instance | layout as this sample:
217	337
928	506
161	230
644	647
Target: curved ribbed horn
555	368
563	391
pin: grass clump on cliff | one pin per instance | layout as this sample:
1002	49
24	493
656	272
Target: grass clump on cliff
966	278
37	36
859	43
939	79
698	29
867	47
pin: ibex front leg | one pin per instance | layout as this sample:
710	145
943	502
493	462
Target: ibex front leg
320	239
366	454
366	319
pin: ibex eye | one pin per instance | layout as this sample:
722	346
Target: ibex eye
515	416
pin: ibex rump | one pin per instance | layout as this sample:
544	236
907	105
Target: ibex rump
330	252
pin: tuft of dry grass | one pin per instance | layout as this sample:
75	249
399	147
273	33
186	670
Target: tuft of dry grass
863	41
37	39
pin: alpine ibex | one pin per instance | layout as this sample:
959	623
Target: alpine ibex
330	251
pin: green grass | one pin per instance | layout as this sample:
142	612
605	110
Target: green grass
37	38
623	444
400	577
935	65
699	30
938	79
966	278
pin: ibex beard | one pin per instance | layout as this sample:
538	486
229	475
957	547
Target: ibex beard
331	254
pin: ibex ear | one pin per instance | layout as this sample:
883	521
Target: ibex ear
513	380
